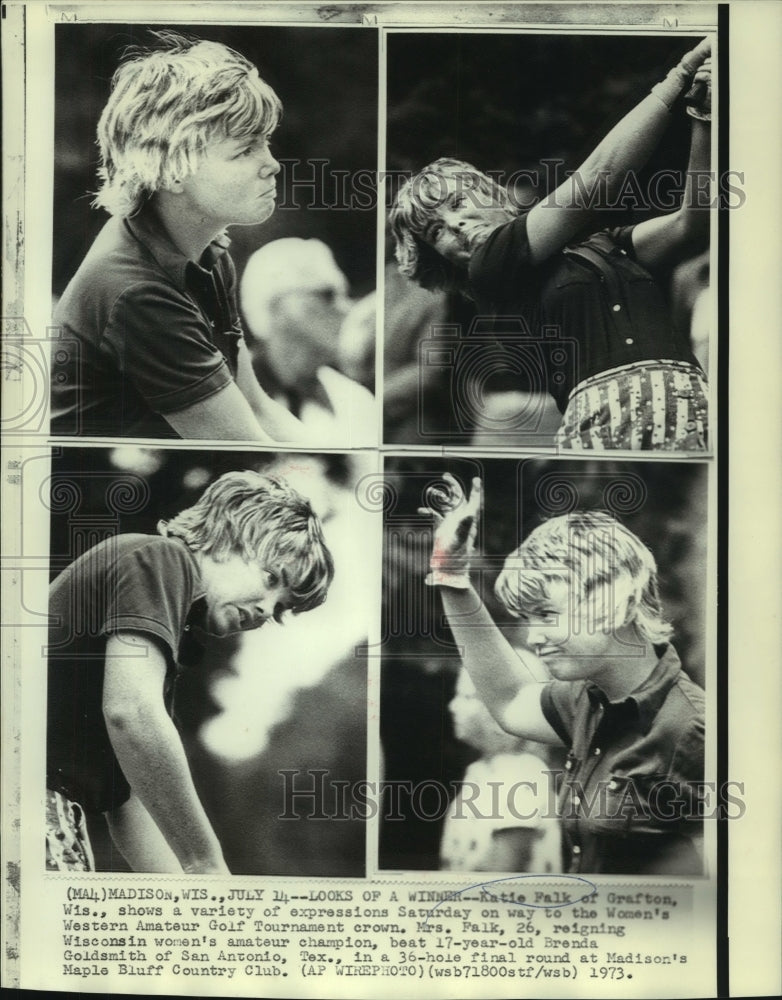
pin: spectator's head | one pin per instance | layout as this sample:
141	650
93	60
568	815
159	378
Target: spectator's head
167	105
581	582
246	524
441	216
294	300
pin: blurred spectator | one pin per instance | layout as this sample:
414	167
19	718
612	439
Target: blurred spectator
500	820
514	418
418	397
425	402
294	298
357	341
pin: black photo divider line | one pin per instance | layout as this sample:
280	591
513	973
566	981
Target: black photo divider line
723	493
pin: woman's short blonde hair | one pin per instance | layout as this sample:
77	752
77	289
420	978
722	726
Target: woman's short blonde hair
592	553
262	519
414	206
166	105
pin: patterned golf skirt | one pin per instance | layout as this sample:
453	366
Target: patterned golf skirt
646	406
67	843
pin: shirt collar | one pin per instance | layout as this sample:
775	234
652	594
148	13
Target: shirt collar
146	227
647	699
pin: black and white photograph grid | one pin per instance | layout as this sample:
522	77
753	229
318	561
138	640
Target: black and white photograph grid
214	243
207	612
544	671
547	276
368	527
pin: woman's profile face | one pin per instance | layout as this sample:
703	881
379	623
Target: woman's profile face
462	220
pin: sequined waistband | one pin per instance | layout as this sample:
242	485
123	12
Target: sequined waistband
635	368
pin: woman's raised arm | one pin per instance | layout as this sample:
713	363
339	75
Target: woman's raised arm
666	239
553	222
505	679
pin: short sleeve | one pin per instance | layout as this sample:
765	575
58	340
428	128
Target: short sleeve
504	261
688	755
153	591
161	342
622	236
558	704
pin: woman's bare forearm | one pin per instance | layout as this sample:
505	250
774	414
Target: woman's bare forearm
505	679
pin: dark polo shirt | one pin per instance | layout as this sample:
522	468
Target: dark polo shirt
134	583
626	802
569	318
144	332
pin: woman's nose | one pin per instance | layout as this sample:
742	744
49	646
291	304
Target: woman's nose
269	166
270	603
536	636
